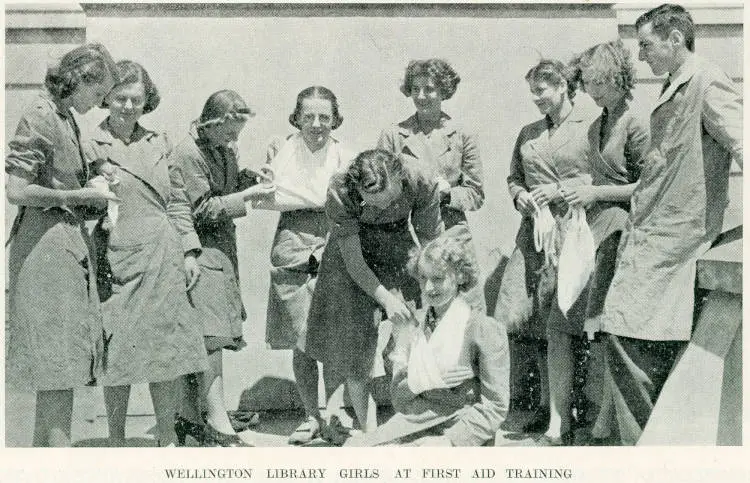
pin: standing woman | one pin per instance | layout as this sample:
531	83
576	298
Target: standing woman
303	164
431	140
207	161
618	142
549	154
151	332
55	328
363	269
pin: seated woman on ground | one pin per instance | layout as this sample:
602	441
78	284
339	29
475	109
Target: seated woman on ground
451	365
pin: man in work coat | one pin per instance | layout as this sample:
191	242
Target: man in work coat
677	210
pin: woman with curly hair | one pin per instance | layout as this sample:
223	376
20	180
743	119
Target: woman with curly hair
444	151
451	367
362	274
54	323
618	141
152	334
550	155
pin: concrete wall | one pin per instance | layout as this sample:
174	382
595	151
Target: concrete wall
268	53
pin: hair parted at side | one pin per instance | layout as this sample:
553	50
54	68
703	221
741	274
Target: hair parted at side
222	106
131	72
554	73
450	253
668	17
609	61
446	79
371	170
316	92
88	64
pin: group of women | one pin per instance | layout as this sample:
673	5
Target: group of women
153	295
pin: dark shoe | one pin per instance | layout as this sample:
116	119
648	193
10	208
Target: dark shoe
335	433
212	437
539	423
183	428
243	420
306	432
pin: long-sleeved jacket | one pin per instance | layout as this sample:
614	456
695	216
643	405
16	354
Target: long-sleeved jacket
677	210
479	405
457	161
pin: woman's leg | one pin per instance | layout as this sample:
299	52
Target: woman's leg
189	407
306	378
213	387
54	413
164	399
360	397
560	365
116	400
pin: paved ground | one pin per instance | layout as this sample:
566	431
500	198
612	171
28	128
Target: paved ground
90	423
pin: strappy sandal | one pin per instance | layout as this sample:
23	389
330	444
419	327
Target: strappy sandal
306	432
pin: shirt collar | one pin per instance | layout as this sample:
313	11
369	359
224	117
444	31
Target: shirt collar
411	125
103	133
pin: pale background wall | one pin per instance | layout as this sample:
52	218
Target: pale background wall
269	53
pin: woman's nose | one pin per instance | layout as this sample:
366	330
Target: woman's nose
420	94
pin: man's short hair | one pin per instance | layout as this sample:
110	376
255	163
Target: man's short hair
668	17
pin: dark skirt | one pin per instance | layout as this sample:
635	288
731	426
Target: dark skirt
341	326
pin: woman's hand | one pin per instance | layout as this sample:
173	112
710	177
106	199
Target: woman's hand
544	194
525	203
268	175
584	195
192	270
443	185
258	191
397	310
456	375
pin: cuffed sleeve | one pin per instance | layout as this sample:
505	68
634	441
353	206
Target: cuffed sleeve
31	146
468	195
478	423
722	115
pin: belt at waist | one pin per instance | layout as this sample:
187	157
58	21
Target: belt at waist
393	226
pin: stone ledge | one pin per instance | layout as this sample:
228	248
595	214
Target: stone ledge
37	16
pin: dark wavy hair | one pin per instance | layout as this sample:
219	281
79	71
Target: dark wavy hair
668	17
131	72
449	252
87	64
554	73
316	92
371	170
446	79
609	61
